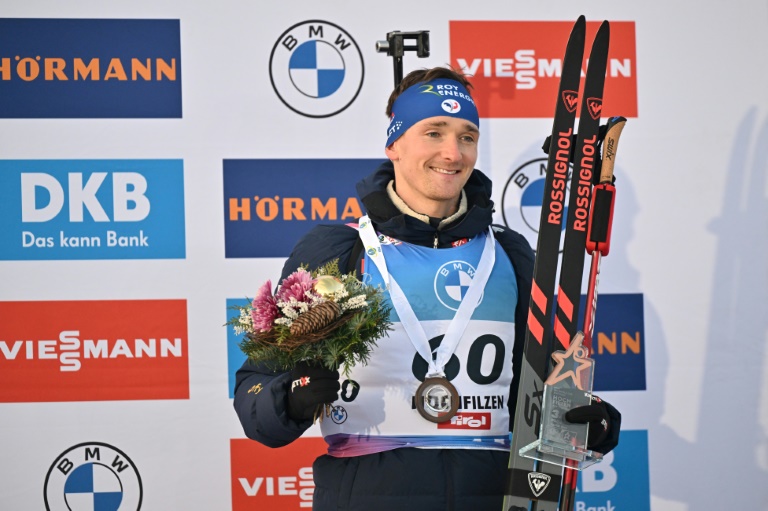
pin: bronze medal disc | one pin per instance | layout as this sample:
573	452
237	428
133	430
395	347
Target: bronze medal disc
437	400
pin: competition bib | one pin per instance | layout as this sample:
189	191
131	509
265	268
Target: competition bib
378	409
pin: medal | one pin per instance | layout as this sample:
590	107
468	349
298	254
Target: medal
437	400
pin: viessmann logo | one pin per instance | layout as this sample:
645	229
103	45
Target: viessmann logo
516	65
280	481
90	68
91	209
93	350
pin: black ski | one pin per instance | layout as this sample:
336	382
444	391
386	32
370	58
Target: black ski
531	484
586	163
585	166
526	484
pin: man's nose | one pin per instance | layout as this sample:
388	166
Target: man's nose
451	150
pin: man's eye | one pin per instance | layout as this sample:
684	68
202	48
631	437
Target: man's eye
433	134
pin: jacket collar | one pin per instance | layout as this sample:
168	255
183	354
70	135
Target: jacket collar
392	222
405	208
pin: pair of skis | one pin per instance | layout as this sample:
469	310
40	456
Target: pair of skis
536	486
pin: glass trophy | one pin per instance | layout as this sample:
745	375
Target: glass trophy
569	385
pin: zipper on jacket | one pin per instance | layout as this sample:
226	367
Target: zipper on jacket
434	244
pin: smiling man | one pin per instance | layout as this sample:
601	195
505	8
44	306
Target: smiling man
432	143
425	424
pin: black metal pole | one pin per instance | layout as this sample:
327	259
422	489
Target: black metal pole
395	47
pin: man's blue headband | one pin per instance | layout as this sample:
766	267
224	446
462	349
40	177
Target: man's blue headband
430	99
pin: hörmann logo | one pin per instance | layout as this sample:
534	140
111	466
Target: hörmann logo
90	68
266	212
516	65
93	350
91	209
618	343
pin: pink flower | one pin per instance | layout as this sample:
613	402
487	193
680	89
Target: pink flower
264	309
297	285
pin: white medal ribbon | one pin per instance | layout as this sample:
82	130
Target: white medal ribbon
408	318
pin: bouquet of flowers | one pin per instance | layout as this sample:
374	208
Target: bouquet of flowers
320	316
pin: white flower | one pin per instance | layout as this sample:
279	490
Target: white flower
356	302
293	308
245	319
288	311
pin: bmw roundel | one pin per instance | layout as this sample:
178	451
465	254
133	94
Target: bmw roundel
452	282
93	476
522	198
316	68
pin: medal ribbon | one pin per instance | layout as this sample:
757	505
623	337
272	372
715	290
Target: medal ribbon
408	318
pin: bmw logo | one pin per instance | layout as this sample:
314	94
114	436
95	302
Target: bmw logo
338	414
316	68
93	476
452	282
521	200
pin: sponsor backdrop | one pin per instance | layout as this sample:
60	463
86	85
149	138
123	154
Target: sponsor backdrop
159	159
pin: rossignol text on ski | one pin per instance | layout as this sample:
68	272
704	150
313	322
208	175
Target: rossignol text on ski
533	485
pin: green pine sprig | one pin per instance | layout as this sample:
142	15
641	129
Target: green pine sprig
346	342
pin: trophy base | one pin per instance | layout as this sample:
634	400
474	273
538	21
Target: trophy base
560	454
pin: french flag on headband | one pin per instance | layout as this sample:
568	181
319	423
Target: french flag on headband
430	99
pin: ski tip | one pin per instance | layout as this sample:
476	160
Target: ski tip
605	28
580	27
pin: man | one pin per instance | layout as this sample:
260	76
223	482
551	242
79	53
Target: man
460	301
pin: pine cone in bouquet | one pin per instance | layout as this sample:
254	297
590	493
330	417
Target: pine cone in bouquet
323	315
316	318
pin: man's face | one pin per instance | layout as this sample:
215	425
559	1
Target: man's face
433	160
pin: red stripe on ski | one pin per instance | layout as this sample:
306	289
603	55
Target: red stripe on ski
535	327
539	298
565	304
562	334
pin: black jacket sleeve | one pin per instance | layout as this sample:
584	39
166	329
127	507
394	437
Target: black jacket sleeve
261	393
261	405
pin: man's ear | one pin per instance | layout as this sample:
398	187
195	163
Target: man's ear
392	152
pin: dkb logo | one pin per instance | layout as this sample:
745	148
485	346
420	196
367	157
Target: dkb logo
91	209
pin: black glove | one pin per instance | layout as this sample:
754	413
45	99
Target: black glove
604	424
311	386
